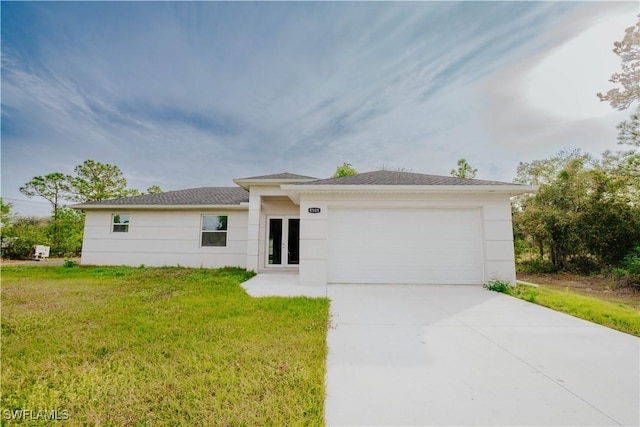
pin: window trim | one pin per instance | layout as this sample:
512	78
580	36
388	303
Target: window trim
219	231
121	224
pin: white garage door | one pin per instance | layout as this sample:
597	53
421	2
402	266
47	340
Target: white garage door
427	246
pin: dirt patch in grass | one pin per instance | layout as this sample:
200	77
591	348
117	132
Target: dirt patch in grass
47	262
598	286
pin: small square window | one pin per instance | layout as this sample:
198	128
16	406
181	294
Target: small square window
120	223
214	230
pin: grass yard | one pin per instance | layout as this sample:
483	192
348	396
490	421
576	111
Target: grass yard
158	346
615	315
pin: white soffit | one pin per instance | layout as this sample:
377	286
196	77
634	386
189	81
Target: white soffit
294	191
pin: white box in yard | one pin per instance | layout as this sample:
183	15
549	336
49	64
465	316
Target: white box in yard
41	251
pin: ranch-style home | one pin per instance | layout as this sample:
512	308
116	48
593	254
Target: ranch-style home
374	227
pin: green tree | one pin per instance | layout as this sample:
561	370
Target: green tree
70	227
558	206
5	221
545	171
629	130
623	168
464	170
613	218
610	228
5	213
95	181
154	189
344	170
582	209
625	164
628	49
54	188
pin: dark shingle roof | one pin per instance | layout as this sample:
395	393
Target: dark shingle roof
234	196
191	196
400	178
284	175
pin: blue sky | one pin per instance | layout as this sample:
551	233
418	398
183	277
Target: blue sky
195	94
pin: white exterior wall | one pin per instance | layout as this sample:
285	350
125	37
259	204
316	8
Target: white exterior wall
162	238
253	227
498	255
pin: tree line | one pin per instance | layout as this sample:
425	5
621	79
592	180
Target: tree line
585	216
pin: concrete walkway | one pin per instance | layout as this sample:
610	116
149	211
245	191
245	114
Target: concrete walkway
460	355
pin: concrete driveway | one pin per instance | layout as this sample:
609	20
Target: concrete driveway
461	355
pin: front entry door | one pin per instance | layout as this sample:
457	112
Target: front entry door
283	241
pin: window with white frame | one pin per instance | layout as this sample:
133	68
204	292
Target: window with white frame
120	223
214	230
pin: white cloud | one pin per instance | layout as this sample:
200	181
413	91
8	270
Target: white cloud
547	101
565	82
186	95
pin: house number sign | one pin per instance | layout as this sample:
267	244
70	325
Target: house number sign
314	210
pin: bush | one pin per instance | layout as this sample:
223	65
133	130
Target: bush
520	246
618	273
19	238
69	263
632	261
527	293
496	285
583	265
66	233
63	236
629	281
537	265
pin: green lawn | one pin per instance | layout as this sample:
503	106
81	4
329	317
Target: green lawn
613	315
159	346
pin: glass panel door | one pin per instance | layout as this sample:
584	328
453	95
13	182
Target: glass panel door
293	240
274	249
283	241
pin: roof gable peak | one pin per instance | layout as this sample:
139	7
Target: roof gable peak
274	176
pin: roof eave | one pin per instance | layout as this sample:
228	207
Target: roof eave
86	207
294	191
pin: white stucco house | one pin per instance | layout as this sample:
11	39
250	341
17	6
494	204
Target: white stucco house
375	227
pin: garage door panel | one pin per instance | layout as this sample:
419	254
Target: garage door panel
437	246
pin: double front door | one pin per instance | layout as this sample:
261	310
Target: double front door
283	241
